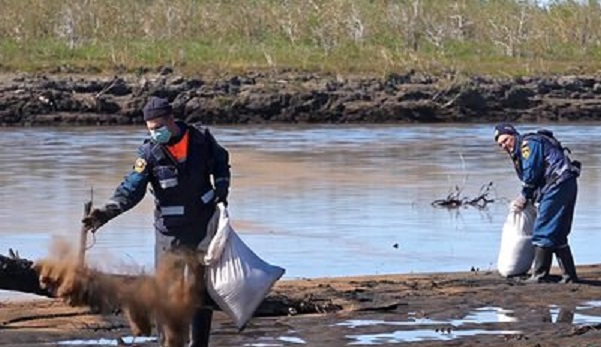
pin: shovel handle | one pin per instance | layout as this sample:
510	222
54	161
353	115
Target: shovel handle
83	236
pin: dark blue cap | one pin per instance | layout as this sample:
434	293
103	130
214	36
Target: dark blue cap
504	129
157	107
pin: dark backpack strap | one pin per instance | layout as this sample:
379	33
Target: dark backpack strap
575	165
551	137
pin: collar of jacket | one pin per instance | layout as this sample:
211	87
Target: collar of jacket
517	146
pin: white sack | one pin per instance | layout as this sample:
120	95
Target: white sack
517	253
237	279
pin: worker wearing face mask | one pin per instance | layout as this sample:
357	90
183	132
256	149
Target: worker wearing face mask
189	173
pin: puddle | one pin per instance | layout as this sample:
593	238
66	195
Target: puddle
357	323
106	342
588	305
421	335
481	315
292	339
561	315
7	296
274	342
419	328
446	332
263	341
487	315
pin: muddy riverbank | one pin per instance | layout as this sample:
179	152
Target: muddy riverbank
446	309
292	97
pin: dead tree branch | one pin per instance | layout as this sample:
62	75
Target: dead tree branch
455	200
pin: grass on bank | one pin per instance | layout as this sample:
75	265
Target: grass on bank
494	37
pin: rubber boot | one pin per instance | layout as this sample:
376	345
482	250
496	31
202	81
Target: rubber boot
565	316
566	264
542	265
160	334
201	328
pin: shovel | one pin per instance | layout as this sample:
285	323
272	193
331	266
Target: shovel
83	236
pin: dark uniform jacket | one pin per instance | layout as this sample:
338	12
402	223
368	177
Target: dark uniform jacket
183	192
541	163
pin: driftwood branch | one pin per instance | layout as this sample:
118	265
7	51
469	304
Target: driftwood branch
455	200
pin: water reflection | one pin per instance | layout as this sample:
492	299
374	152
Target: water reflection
277	341
378	329
482	315
421	335
319	201
129	340
572	315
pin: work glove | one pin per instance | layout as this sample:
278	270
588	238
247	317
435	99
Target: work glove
221	192
97	218
518	204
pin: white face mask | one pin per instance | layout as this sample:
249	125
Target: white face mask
161	135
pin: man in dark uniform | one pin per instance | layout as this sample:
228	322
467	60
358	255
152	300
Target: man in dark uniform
548	178
189	173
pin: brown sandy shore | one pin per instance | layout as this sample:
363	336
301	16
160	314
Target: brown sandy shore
393	310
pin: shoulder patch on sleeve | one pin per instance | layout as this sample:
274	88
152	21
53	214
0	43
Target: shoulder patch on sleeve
525	151
140	165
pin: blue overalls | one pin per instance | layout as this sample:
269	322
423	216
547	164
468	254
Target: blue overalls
184	199
549	177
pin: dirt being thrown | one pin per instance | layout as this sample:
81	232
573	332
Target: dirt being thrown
170	296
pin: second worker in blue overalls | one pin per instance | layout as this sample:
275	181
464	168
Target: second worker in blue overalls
549	178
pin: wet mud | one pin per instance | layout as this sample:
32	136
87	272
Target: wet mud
446	309
297	97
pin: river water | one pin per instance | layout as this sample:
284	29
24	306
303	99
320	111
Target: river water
318	201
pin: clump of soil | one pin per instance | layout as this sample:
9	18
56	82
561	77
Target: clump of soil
170	296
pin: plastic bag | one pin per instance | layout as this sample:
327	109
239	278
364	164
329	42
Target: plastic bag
517	252
237	279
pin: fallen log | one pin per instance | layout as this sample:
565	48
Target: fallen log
17	274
